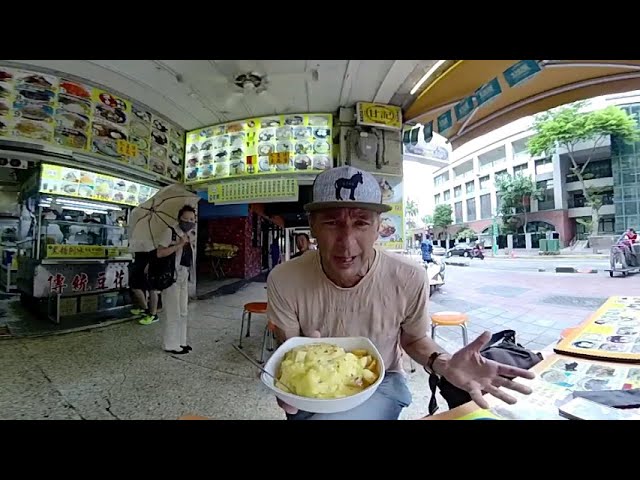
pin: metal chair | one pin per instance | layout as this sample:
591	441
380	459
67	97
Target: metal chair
249	309
450	319
268	338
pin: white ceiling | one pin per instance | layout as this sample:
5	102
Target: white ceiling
195	93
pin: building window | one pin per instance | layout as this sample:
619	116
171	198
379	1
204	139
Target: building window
447	195
544	166
485	206
458	212
492	159
605	225
597	169
521	170
540	227
440	179
471	209
436	199
484	183
470	186
577	199
457	191
520	150
500	174
546	201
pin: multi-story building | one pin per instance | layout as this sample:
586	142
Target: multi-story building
468	183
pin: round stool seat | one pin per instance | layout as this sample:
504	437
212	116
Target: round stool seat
256	307
449	318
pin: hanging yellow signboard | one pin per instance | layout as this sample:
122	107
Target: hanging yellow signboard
379	115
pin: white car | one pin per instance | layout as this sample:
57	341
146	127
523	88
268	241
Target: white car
437	250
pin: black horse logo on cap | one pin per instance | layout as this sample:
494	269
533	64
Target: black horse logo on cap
350	184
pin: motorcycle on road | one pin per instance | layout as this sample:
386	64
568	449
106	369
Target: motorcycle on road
435	274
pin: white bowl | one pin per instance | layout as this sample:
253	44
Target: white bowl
321	405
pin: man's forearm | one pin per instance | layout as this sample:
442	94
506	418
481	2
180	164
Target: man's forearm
421	350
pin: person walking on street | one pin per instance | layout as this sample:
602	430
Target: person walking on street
426	248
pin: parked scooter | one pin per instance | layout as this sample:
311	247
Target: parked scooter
435	274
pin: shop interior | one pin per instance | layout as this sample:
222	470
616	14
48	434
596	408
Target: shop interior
237	241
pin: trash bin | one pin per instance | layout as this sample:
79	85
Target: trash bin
553	245
544	247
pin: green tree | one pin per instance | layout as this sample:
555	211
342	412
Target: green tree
427	220
515	196
411	208
442	217
566	127
466	232
410	212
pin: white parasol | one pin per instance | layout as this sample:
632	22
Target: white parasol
149	221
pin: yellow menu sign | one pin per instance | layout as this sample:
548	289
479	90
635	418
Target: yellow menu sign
379	115
279	158
127	149
85	251
250	190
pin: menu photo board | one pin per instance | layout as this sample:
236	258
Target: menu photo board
278	144
46	109
391	231
73	182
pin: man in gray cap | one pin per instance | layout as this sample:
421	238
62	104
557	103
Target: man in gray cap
349	288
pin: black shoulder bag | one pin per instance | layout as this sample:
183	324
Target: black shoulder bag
507	351
162	271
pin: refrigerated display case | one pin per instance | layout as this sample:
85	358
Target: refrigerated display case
75	259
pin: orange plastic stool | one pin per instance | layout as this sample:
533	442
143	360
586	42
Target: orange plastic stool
249	309
450	319
268	337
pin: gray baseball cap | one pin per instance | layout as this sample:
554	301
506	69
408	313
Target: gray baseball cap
346	187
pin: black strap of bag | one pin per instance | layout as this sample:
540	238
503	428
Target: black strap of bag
502	348
162	271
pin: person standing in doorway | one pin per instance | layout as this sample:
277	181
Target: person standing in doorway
275	252
176	297
303	243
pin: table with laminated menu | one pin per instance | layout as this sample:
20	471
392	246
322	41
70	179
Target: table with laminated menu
557	377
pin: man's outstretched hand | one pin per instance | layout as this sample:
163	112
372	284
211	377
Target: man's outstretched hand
285	406
470	371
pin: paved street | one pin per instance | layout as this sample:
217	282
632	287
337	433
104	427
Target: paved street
532	263
535	264
537	305
121	372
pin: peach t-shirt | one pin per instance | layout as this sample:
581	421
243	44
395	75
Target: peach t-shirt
391	297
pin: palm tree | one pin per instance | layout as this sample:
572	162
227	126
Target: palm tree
411	209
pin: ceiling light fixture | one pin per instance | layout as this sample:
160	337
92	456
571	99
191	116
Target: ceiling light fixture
426	76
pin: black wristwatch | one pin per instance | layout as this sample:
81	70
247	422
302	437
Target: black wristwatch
431	361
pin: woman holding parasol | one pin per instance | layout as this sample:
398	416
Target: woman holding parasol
165	223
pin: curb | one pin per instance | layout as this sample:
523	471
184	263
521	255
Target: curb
456	263
550	257
575	270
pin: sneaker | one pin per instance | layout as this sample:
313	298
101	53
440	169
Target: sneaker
149	319
137	311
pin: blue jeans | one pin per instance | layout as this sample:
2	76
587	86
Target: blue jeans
385	404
